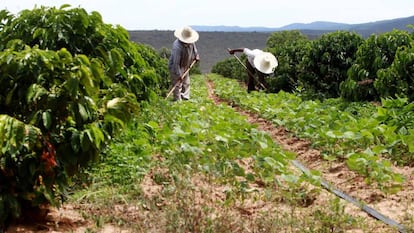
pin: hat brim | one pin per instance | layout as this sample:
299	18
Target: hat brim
189	40
265	62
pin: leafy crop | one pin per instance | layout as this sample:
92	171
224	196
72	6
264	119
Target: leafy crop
58	95
231	68
69	83
376	53
78	32
337	64
289	47
194	135
190	150
215	139
326	61
362	135
398	79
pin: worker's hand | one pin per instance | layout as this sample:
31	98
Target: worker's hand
197	58
230	51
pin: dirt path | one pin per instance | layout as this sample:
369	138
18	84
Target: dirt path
398	207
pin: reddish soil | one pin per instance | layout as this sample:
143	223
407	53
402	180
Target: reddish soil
399	207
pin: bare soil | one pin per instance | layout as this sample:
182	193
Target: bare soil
399	206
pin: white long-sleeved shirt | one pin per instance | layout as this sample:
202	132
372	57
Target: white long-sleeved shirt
251	54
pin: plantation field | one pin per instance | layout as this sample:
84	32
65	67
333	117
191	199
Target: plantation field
212	46
221	162
89	143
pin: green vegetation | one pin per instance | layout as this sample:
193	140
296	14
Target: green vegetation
69	83
338	64
188	138
375	56
326	61
196	166
289	48
359	133
82	117
231	68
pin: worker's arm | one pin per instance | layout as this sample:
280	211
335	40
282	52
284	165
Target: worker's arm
232	51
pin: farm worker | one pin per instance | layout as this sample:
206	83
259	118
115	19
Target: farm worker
258	62
183	53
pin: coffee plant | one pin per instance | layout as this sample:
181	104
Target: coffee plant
231	68
68	84
289	48
74	29
376	53
398	79
326	61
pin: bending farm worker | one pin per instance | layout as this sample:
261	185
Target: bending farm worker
258	63
183	53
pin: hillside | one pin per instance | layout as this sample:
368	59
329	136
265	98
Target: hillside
365	29
214	40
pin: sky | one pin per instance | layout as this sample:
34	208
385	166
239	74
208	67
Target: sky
172	14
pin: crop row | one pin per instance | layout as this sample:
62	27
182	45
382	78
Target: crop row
362	134
196	135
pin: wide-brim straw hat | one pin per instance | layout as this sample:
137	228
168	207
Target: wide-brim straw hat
186	34
265	62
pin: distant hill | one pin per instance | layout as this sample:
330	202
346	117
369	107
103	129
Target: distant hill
383	26
364	29
214	40
318	25
232	29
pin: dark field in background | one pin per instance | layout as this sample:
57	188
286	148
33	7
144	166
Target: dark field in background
212	46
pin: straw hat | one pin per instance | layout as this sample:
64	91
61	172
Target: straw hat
265	62
186	35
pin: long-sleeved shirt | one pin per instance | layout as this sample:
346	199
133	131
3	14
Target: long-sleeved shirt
251	54
181	57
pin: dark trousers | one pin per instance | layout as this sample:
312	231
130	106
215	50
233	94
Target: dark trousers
251	82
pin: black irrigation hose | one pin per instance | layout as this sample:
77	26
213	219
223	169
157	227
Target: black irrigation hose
344	196
372	212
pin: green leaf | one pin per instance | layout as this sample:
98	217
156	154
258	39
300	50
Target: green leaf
72	86
356	161
153	125
15	135
331	134
83	112
65	55
85	141
96	135
35	93
64	6
263	144
349	135
47	119
75	141
86	77
10	94
98	72
83	59
221	139
409	140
